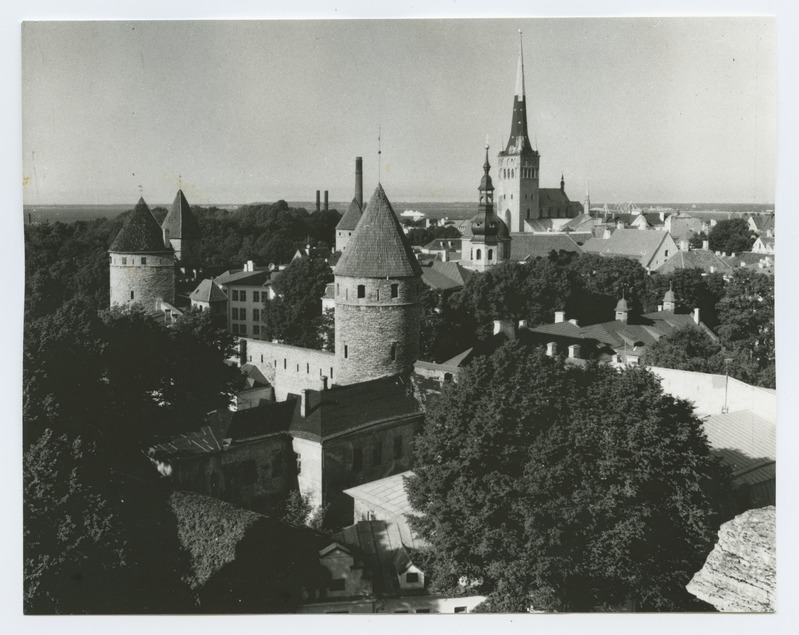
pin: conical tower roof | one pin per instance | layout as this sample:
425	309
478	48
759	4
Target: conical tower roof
180	221
351	217
519	142
140	234
378	247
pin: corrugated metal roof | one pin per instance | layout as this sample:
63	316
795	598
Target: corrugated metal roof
378	247
141	233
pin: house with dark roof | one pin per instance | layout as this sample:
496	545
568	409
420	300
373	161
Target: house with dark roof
445	276
762	224
209	296
703	259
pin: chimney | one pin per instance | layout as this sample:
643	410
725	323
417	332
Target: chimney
683	245
522	324
359	181
444	255
249	266
304	405
662	216
560	316
620	224
317	200
552	349
696	315
606	234
506	327
573	321
574	351
325	200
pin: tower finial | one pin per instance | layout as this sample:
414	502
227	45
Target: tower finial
520	70
379	152
141	192
180	182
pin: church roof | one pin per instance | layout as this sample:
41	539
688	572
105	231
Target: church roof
180	221
351	217
552	197
519	142
140	234
378	247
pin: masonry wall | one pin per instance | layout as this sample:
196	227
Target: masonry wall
148	282
708	392
341	471
376	335
291	368
513	193
308	456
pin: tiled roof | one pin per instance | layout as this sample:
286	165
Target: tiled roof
541	225
267	418
378	247
444	276
344	408
751	261
552	197
257	278
594	245
140	234
640	244
747	442
763	223
180	221
580	223
208	291
351	217
695	259
527	246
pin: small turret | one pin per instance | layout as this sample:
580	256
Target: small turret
622	310
669	301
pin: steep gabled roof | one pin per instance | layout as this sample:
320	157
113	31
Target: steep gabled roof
695	259
445	276
640	244
351	217
528	246
180	221
378	247
140	234
208	291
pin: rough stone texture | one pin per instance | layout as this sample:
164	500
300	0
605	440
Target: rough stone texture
740	574
148	282
291	368
369	326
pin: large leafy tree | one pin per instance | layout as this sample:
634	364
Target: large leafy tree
693	289
686	349
294	316
731	236
562	488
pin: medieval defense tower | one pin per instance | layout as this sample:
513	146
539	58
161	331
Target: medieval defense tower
378	285
142	268
517	166
182	231
346	226
489	243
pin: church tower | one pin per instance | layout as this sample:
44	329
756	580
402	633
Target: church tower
517	166
489	243
377	293
142	268
182	231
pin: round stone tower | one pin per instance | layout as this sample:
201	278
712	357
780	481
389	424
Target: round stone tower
142	269
378	286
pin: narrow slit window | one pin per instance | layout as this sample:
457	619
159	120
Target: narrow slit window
394	290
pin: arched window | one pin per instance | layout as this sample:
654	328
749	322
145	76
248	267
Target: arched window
479	254
490	254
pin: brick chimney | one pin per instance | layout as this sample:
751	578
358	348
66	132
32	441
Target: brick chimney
317	200
359	181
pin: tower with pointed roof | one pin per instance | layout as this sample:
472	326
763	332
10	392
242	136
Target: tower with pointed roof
142	268
377	295
349	221
518	163
488	241
182	231
669	300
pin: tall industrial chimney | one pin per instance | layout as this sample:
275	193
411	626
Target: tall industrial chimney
317	200
325	200
359	181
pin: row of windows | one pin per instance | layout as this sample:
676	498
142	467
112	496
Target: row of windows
361	291
142	260
392	350
240	295
526	173
377	454
307	367
479	254
241	314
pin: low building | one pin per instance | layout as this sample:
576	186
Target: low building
703	259
763	246
649	247
209	296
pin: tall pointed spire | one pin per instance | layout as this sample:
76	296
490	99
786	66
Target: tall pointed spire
519	142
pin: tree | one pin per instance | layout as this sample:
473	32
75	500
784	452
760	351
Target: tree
686	349
731	236
693	289
294	316
564	488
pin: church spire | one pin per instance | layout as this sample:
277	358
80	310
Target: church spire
519	142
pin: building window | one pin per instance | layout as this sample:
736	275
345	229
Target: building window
666	254
378	294
143	260
394	290
361	291
307	368
490	254
256	315
131	295
460	609
256	330
298	458
235	294
411	578
393	351
331	372
357	459
479	254
235	312
284	363
401	611
124	260
243	295
377	453
256	296
336	585
422	610
346	352
397	447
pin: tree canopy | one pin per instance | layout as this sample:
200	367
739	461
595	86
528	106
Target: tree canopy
564	488
731	236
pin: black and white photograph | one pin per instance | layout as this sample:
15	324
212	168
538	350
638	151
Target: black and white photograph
399	316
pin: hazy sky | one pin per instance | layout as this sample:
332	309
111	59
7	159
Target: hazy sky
648	110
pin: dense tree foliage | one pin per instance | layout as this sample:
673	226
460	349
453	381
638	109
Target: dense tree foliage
422	235
555	487
294	316
686	349
693	289
731	236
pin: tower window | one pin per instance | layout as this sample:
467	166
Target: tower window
284	363
378	294
131	293
393	351
479	254
124	260
361	291
143	260
394	290
346	351
307	369
490	254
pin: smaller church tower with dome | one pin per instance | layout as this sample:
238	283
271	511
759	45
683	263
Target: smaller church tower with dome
487	241
142	268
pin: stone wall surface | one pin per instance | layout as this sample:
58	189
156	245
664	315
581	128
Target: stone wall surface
740	574
291	368
148	282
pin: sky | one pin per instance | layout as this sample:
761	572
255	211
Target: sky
643	109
